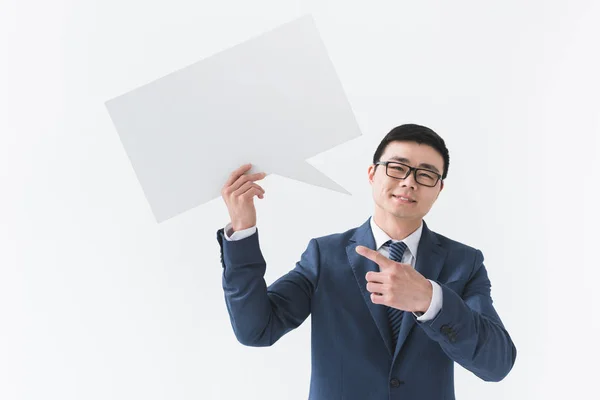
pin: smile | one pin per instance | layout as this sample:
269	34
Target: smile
403	200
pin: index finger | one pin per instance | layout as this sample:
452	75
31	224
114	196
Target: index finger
237	173
372	255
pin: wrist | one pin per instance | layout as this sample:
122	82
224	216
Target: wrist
240	226
428	296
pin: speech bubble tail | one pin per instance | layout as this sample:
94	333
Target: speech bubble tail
304	172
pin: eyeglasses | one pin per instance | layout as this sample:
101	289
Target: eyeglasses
398	170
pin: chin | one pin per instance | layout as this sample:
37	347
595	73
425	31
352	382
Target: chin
397	212
401	212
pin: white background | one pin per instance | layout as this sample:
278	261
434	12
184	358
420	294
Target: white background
97	301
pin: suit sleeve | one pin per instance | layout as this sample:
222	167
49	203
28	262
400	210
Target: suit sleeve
261	315
469	329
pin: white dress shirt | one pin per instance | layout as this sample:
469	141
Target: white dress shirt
409	257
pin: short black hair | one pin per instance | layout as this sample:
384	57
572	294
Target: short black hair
415	133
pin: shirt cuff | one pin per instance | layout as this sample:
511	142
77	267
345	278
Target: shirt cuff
238	235
435	306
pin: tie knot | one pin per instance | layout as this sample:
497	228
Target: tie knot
396	250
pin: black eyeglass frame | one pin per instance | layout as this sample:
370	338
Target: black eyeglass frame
410	170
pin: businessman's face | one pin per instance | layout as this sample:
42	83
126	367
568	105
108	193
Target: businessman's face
387	190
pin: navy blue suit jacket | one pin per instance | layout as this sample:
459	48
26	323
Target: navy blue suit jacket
352	356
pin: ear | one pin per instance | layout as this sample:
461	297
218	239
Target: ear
371	173
441	188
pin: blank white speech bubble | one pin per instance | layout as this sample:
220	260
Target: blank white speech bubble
273	101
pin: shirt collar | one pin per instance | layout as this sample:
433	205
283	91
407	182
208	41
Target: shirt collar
411	241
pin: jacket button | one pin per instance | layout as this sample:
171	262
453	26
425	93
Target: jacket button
395	383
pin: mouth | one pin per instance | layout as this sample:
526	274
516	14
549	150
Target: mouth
403	200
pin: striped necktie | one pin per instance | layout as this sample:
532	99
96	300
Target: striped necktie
395	316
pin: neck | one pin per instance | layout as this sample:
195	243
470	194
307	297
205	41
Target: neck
396	228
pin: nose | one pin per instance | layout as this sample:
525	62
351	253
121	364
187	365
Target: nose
409	181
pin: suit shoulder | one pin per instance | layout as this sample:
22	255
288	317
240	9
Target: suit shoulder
454	245
336	238
461	253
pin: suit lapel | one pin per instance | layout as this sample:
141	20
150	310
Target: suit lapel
430	260
360	266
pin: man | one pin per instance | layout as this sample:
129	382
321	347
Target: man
393	304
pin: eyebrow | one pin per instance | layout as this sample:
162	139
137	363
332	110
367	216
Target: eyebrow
407	161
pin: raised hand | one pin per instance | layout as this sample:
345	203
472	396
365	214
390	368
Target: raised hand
238	194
